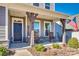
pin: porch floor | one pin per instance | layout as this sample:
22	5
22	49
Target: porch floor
43	41
18	45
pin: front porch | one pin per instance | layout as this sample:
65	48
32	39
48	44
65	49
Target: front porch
21	24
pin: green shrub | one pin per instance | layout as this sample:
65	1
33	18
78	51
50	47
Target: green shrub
3	51
39	47
56	46
73	43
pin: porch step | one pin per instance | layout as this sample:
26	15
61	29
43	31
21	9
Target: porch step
2	33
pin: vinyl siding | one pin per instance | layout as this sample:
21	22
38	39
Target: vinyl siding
2	16
2	23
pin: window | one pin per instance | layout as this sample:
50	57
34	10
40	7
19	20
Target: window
47	5
47	28
37	27
36	4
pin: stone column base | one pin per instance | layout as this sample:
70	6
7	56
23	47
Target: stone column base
4	44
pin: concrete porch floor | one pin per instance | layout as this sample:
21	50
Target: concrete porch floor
18	45
43	41
24	45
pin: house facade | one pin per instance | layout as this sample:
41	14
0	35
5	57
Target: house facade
19	22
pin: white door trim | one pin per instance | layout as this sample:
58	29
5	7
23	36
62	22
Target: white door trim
39	26
17	20
44	26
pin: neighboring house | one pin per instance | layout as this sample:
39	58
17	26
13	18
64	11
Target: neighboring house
16	21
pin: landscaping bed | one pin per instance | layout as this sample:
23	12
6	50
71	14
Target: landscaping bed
6	52
71	48
54	52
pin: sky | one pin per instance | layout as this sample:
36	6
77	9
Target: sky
67	8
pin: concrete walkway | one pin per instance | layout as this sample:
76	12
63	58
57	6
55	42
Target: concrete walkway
22	52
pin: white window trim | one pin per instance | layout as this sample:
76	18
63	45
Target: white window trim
39	26
14	18
44	26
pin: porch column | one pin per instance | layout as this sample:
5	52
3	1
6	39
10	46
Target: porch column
31	17
25	25
4	26
7	27
54	27
63	38
63	30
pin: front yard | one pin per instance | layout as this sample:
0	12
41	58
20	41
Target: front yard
54	51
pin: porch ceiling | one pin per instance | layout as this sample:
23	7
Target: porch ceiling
13	12
42	12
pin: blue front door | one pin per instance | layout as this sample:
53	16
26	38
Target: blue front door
18	32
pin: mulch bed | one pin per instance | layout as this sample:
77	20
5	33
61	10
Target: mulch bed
54	52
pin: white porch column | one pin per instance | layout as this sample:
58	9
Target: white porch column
6	27
32	17
63	30
64	39
6	23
